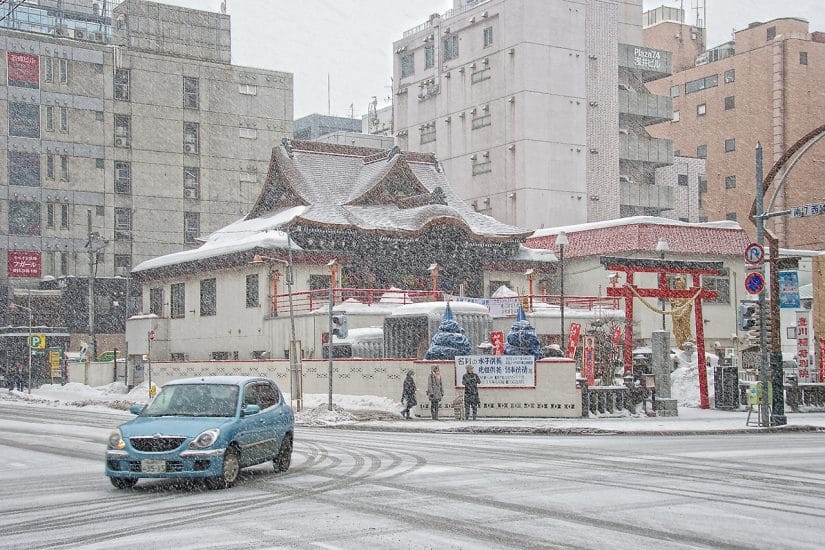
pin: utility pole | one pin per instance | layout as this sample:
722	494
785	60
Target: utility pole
764	372
94	245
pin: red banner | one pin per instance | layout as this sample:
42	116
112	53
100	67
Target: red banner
24	264
573	341
497	339
24	70
589	360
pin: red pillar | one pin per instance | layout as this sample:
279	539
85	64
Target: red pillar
628	326
700	349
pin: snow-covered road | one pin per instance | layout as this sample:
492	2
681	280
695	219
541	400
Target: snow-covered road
353	489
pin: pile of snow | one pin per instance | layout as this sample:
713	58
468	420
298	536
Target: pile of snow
322	416
684	381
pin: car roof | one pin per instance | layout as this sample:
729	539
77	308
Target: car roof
231	380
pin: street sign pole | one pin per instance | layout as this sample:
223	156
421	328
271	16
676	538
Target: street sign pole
764	373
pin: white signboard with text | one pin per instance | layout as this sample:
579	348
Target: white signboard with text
498	371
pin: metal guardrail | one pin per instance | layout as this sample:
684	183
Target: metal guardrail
447	14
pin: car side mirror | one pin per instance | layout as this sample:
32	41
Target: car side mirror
250	410
136	409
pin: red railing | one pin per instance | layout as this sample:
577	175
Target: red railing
312	300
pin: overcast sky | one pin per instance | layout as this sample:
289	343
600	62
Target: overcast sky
350	41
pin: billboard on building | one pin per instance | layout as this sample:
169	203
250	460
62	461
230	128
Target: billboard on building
24	263
23	70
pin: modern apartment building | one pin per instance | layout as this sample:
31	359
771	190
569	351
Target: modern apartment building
764	87
126	131
537	108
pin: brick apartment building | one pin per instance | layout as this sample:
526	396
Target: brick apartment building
766	86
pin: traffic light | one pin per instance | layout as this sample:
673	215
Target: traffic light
339	325
753	333
747	315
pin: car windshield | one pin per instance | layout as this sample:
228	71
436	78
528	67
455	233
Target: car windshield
194	400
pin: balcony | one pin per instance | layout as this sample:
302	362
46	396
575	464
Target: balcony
643	195
652	109
638	148
649	63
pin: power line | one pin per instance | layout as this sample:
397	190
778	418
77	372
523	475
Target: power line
11	11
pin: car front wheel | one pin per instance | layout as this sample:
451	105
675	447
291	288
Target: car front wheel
229	472
284	458
123	482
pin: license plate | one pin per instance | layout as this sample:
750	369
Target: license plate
153	466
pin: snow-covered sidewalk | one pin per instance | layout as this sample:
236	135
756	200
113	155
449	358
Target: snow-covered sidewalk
379	413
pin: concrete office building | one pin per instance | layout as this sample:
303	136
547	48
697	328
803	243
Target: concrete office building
537	109
313	126
766	86
129	124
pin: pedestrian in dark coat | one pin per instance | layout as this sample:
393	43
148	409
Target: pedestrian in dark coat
408	395
435	391
470	381
19	377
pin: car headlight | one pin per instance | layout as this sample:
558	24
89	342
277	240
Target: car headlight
205	439
116	440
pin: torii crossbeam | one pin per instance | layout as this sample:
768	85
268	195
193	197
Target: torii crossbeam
628	291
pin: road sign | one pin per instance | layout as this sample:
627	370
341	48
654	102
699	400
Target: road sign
37	341
755	283
754	253
808	210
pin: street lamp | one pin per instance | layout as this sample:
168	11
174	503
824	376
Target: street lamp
561	240
662	246
294	365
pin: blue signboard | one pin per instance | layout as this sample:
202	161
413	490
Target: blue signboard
789	289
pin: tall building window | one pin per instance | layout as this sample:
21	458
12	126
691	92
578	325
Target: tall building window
191	182
156	301
191	138
63	70
178	305
407	64
24	120
676	116
49	117
253	292
482	167
50	215
682	179
49	167
730	216
64	263
730	102
710	81
122	84
701	109
24	168
429	56
451	47
488	37
674	90
730	76
428	133
208	297
123	177
247	89
730	182
48	68
720	283
64	168
64	119
730	145
64	216
702	151
123	124
803	58
24	218
191	93
123	263
191	227
123	224
771	33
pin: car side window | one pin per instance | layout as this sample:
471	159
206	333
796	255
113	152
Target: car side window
267	395
250	396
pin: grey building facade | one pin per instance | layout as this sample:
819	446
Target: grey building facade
127	132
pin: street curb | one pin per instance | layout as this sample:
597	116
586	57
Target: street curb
570	431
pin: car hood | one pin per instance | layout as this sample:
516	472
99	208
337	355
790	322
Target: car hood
188	426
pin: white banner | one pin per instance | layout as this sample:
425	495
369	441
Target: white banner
498	371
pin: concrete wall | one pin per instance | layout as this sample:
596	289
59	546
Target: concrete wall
554	396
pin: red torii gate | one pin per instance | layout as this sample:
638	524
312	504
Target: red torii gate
631	266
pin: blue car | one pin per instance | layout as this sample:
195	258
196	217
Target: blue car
207	428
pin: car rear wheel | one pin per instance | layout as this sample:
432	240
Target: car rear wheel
123	482
229	472
284	457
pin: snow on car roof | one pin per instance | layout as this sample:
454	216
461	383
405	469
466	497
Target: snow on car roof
231	380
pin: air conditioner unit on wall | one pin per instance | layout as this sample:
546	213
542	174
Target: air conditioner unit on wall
121	142
190	193
98	37
190	148
80	34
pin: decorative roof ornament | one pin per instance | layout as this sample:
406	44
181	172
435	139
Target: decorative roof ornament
449	341
438	196
287	143
396	150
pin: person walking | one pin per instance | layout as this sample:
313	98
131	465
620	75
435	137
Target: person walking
470	381
408	395
18	376
435	390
